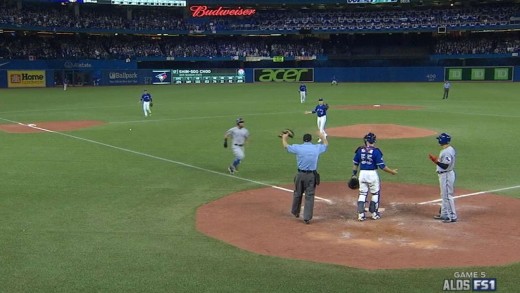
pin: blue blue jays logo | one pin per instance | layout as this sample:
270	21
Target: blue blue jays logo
162	76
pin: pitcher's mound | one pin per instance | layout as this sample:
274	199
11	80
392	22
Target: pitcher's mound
384	131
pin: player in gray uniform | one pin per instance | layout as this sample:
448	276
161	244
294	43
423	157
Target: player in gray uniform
445	170
239	135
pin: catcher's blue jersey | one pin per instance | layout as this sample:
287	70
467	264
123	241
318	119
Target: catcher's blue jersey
369	158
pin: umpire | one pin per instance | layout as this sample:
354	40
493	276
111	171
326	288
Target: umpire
307	178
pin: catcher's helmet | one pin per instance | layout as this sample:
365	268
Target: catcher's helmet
444	138
370	138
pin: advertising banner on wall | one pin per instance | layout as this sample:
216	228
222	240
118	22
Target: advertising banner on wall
284	74
162	77
121	77
25	78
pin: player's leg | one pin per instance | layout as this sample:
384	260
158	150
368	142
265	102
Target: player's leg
450	201
239	153
144	110
323	123
375	191
444	196
309	185
297	195
362	197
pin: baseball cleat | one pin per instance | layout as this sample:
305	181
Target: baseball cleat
376	216
307	221
449	220
439	217
231	170
361	217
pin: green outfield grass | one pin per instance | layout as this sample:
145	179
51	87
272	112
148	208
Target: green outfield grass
106	209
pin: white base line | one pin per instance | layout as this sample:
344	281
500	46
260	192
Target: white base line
158	158
471	194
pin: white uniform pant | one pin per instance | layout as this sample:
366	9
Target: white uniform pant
321	121
146	109
447	183
369	182
303	96
238	151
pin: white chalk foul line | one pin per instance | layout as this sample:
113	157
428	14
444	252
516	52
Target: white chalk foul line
471	194
34	126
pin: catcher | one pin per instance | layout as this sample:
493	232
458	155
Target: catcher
367	159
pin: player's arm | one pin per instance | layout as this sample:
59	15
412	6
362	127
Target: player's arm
284	139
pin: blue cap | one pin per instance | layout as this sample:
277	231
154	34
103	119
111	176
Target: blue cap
320	99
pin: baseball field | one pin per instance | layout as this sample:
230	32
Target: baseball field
95	197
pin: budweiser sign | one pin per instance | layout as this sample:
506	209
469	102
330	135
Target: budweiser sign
202	11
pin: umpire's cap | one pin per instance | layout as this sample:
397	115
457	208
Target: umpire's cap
307	137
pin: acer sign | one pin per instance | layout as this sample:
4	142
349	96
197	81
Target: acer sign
204	11
284	75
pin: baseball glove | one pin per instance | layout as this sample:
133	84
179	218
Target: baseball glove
151	104
353	183
290	132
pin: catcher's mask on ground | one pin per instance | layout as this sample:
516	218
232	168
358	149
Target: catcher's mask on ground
370	138
444	138
307	137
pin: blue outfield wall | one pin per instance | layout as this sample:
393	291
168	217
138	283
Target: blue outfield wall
380	74
127	74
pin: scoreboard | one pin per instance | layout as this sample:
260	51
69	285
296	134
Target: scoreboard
485	73
213	75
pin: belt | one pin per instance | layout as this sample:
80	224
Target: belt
306	171
442	172
239	144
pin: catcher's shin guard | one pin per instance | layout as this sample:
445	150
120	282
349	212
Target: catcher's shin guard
373	207
361	207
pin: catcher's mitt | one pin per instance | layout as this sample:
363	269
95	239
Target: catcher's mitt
290	132
353	183
151	104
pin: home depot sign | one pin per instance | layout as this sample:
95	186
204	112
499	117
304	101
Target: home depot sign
204	11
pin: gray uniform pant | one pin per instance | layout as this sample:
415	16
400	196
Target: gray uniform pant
447	183
304	183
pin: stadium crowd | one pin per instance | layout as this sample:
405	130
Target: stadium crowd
79	42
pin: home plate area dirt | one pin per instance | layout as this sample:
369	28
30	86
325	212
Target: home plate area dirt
406	236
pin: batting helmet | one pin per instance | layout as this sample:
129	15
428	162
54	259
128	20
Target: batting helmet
370	138
444	138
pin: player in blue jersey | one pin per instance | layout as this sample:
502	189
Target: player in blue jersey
321	113
146	100
239	135
334	80
303	93
367	159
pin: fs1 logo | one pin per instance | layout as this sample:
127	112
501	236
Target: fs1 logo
488	284
284	75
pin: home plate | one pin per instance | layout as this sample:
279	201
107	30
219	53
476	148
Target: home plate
379	209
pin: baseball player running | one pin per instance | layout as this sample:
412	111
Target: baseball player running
367	159
146	99
303	93
239	135
445	169
321	113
